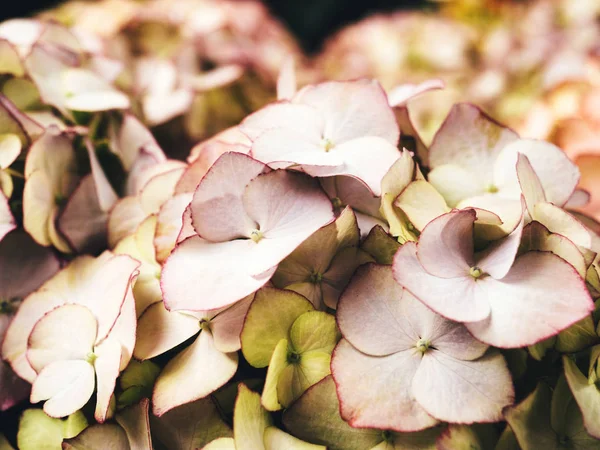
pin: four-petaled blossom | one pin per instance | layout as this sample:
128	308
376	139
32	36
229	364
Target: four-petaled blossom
403	367
504	300
333	128
247	221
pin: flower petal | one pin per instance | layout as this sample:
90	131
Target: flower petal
218	212
66	385
226	326
463	391
201	275
374	391
457	299
160	330
196	372
107	370
528	305
7	221
51	341
372	313
470	139
445	246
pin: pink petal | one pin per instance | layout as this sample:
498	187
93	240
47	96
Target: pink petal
450	338
498	258
540	296
14	346
133	138
373	313
201	275
124	219
103	289
445	246
107	370
463	391
459	299
557	174
67	385
218	212
400	95
24	265
367	158
160	330
287	206
374	391
530	184
51	340
470	139
196	372
83	222
227	325
125	329
168	225
302	119
344	106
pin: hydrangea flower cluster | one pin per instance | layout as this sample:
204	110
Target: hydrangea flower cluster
314	276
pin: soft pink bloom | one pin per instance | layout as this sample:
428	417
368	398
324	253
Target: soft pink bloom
403	367
247	219
504	300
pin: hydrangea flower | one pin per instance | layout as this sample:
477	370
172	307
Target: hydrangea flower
504	300
247	221
403	367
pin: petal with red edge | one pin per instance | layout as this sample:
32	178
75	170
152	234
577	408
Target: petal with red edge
459	299
160	330
373	314
218	212
52	340
540	296
66	385
106	365
445	247
463	391
374	391
196	372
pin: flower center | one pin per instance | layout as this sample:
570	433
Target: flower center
337	203
327	144
256	235
293	357
205	325
475	272
315	277
91	358
423	345
492	189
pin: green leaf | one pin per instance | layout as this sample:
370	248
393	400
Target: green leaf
420	440
279	361
314	330
269	319
380	245
516	358
221	444
577	337
315	417
250	420
37	431
587	396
